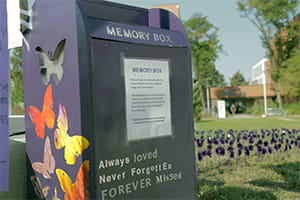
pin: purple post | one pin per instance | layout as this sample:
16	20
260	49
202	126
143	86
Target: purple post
4	141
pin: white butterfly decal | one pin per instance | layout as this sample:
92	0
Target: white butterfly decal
47	167
52	66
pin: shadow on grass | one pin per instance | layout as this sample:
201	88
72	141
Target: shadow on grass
207	192
206	121
211	183
290	172
264	182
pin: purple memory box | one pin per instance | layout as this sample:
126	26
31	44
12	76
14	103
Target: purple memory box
72	77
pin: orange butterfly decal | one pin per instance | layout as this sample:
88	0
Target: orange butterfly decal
77	190
48	165
74	145
44	117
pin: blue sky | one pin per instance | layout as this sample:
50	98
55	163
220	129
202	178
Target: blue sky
239	37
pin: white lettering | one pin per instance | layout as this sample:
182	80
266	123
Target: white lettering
142	183
101	165
141	34
110	30
168	177
155	36
112	177
114	163
135	184
126	189
127	33
162	38
121	189
150	169
147	35
104	193
110	163
119	32
147	155
135	34
112	192
168	38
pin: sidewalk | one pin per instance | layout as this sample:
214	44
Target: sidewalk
245	116
242	116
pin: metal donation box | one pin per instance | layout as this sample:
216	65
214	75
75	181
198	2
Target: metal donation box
108	102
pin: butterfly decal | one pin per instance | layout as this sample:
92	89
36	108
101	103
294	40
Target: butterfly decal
45	190
74	145
54	197
53	65
44	117
40	191
47	167
78	189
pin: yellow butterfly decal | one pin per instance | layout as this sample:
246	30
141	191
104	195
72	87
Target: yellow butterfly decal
74	145
78	189
55	195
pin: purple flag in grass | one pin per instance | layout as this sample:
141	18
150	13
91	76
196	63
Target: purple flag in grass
4	140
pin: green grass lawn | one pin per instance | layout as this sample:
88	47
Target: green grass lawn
251	123
264	177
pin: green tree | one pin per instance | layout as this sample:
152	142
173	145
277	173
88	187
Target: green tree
16	78
278	33
197	104
205	47
291	76
238	79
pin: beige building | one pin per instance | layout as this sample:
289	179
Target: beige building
242	96
241	92
260	91
174	8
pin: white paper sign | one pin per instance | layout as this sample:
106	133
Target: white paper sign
148	107
221	109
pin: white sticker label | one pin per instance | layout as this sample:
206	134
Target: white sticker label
148	107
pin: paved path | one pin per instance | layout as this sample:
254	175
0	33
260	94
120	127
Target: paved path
244	116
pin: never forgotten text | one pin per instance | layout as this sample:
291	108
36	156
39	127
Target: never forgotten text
139	176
